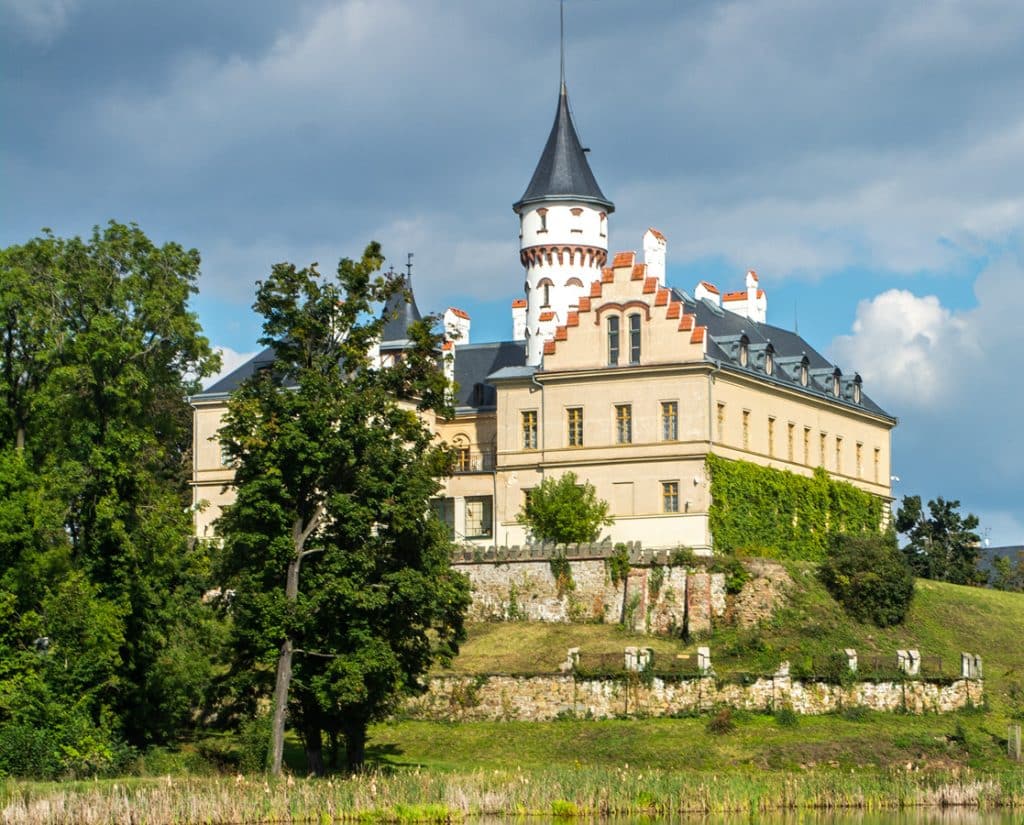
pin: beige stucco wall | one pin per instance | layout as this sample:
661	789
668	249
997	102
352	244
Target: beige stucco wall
210	476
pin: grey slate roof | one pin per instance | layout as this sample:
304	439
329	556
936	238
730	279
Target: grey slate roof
233	380
563	172
401	312
475	362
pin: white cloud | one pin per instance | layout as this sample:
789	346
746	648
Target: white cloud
43	21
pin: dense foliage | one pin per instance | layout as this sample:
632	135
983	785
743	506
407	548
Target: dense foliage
1008	574
341	574
563	511
869	577
767	512
102	633
942	544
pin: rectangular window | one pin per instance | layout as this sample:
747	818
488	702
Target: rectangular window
807	446
225	456
720	418
634	339
823	448
462	460
771	435
575	421
670	496
860	459
878	454
623	423
529	422
746	429
790	430
527	493
669	420
478	517
839	454
613	341
444	510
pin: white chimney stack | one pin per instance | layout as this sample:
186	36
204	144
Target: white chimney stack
519	319
456	325
706	289
655	247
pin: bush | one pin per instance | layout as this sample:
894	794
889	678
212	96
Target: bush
869	577
27	750
722	722
786	717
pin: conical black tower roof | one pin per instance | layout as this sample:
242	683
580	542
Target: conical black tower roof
563	173
399	315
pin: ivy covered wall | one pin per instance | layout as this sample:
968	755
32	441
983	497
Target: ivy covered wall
776	513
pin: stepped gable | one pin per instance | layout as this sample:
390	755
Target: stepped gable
625	285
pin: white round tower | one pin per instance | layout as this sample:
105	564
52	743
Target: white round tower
563	232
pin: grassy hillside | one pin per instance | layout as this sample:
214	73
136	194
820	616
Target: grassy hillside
944	620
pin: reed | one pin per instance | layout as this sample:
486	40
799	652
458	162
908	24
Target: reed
435	797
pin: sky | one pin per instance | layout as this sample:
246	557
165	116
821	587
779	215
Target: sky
866	158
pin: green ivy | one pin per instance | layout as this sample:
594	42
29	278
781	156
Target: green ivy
618	564
767	512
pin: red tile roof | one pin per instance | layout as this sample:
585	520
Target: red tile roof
650	286
656	233
623	259
735	296
710	287
461	313
549	347
639	272
518	303
547	316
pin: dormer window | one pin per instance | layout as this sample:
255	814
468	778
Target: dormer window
857	389
744	354
805	372
836	383
769	360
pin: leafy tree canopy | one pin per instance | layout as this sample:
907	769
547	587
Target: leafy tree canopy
342	575
564	511
942	543
869	576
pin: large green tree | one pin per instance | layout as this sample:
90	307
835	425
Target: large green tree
98	351
341	577
942	543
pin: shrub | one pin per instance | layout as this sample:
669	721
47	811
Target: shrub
722	722
869	577
786	717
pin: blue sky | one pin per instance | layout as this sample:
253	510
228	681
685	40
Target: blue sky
864	157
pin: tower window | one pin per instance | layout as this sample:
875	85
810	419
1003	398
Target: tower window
613	341
574	417
546	292
543	214
623	423
634	339
604	225
669	420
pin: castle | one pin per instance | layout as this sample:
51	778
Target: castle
614	375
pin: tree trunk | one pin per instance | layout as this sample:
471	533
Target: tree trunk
314	749
355	745
284	661
332	749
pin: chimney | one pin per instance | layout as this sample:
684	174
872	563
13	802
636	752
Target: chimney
655	247
519	319
456	326
706	289
448	359
757	302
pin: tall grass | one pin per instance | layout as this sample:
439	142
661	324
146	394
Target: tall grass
420	796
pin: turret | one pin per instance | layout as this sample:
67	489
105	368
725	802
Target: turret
563	231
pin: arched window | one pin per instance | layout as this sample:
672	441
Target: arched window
769	360
613	340
462	460
805	372
836	384
543	213
634	338
545	292
744	354
857	395
604	225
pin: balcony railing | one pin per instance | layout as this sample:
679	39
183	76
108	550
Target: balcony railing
474	461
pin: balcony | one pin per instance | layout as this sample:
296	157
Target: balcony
474	461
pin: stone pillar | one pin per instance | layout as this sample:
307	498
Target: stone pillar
977	668
698	603
966	665
902	660
572	660
913	663
645	658
851	659
632	660
704	659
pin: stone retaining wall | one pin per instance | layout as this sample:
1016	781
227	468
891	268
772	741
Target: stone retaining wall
518	584
542	698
